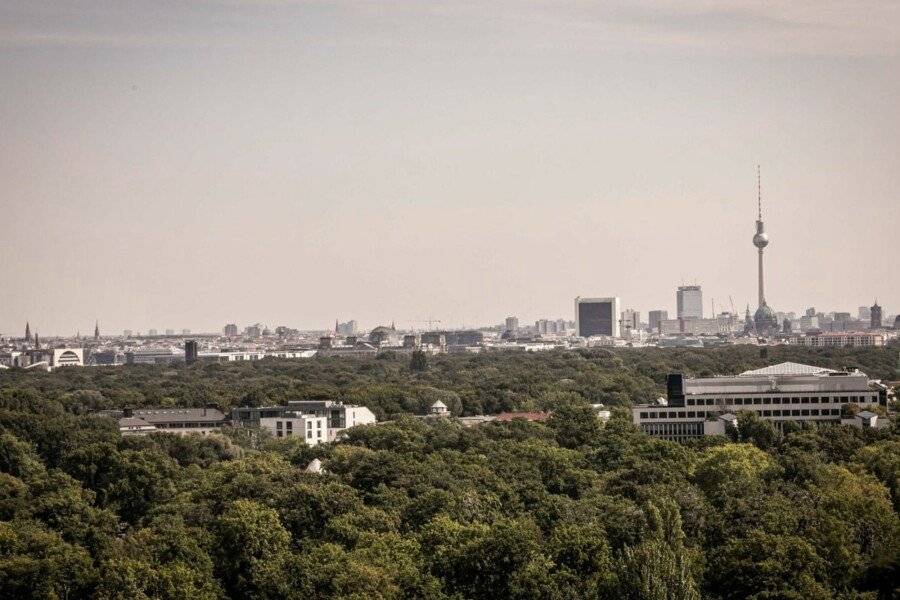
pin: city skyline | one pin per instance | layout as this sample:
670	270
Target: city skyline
240	161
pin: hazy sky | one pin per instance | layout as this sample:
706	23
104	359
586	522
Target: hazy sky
193	163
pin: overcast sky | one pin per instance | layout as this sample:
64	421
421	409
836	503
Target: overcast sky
186	164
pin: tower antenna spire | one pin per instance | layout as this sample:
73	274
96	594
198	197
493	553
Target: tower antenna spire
758	192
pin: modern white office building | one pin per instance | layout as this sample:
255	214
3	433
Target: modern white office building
780	393
597	316
313	429
338	416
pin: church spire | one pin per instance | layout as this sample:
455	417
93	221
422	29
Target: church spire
27	331
97	330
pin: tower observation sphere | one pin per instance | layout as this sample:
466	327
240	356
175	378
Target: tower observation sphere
761	239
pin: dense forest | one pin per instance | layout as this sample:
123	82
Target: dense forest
568	508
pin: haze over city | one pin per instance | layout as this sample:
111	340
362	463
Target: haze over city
201	163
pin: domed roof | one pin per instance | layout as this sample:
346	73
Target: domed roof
765	317
764	311
381	329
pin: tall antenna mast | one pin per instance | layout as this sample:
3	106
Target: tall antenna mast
759	192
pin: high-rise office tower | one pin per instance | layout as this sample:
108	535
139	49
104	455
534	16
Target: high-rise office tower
190	351
597	316
631	319
764	320
864	313
689	300
230	330
875	316
655	316
512	323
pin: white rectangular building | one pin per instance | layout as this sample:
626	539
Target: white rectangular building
783	392
313	429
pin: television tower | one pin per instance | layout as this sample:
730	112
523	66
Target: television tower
764	319
760	240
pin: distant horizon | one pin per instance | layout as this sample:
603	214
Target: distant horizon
524	322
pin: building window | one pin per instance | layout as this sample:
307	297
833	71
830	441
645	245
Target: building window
767	413
319	424
279	433
309	424
691	414
289	433
804	412
690	401
318	434
814	412
795	413
776	413
309	435
277	424
289	425
795	400
804	400
643	415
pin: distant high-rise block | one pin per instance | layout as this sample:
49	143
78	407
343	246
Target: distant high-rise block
630	319
655	316
689	299
875	316
351	327
230	330
597	316
190	351
512	323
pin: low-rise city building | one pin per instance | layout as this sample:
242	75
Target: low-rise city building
313	429
851	339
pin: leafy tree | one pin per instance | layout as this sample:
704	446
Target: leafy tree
418	362
252	551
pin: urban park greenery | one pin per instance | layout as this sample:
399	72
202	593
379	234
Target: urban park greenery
414	508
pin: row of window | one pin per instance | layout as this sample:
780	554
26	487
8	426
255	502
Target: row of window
185	425
290	424
289	432
702	414
776	400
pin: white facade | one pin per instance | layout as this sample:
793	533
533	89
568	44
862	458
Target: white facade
66	357
312	429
